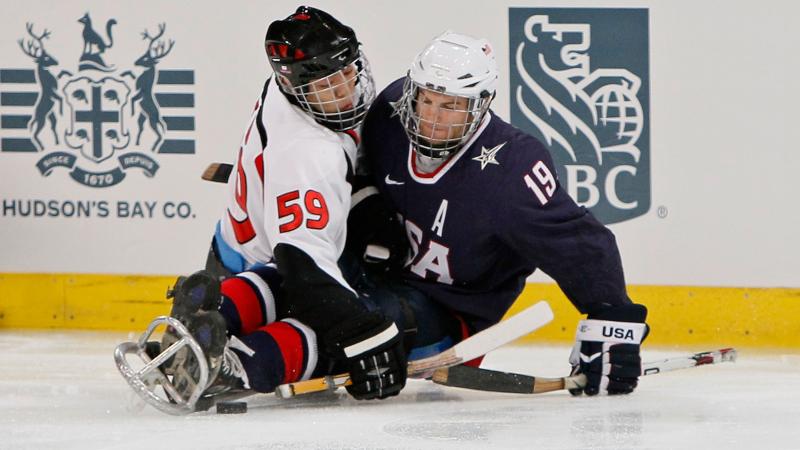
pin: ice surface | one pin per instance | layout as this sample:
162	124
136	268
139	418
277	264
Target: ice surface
61	390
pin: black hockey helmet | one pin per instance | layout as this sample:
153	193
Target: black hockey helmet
309	45
321	68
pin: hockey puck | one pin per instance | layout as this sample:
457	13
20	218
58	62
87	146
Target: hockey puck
231	407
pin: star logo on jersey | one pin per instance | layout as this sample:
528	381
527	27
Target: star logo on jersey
488	156
396	107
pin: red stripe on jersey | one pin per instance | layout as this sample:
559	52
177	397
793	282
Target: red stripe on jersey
412	155
243	229
354	134
247	301
250	128
290	341
247	135
260	166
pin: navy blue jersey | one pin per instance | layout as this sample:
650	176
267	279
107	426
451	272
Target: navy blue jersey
488	218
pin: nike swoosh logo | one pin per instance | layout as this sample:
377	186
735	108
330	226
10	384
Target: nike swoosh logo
388	180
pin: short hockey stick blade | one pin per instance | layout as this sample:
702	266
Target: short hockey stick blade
527	321
217	172
496	381
507	382
685	362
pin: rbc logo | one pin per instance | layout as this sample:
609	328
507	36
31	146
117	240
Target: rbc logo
580	84
99	121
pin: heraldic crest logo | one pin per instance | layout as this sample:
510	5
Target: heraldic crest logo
98	121
580	83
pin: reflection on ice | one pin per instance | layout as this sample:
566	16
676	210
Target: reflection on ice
61	390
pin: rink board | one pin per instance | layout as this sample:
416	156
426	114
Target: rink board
679	315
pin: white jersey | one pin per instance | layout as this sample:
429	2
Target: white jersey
289	186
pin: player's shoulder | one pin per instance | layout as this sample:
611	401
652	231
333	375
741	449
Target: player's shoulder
311	147
510	158
291	130
518	148
381	126
307	145
393	91
285	121
384	102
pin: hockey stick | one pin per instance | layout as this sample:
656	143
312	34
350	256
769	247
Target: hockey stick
481	343
217	172
496	381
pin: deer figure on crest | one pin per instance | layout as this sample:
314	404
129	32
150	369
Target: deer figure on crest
48	83
156	50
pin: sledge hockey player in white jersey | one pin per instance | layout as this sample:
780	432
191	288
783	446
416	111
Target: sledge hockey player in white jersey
284	303
483	209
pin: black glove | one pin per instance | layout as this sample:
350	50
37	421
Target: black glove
372	348
375	235
607	349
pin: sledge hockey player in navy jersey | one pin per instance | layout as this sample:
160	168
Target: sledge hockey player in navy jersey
283	310
483	209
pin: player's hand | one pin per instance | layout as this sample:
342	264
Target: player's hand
375	234
392	237
372	348
607	350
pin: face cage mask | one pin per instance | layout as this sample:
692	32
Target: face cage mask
320	95
414	123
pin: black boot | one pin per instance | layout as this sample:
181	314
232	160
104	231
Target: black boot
225	370
198	291
195	304
230	375
208	329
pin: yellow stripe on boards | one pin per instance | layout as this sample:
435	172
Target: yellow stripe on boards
80	301
689	315
679	315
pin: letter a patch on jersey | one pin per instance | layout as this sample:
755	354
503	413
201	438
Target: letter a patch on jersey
438	222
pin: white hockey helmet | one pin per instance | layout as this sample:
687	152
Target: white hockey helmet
447	93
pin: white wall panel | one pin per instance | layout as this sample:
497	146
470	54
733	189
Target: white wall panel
724	130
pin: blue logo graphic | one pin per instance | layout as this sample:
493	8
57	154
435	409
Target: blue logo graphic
580	84
83	122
